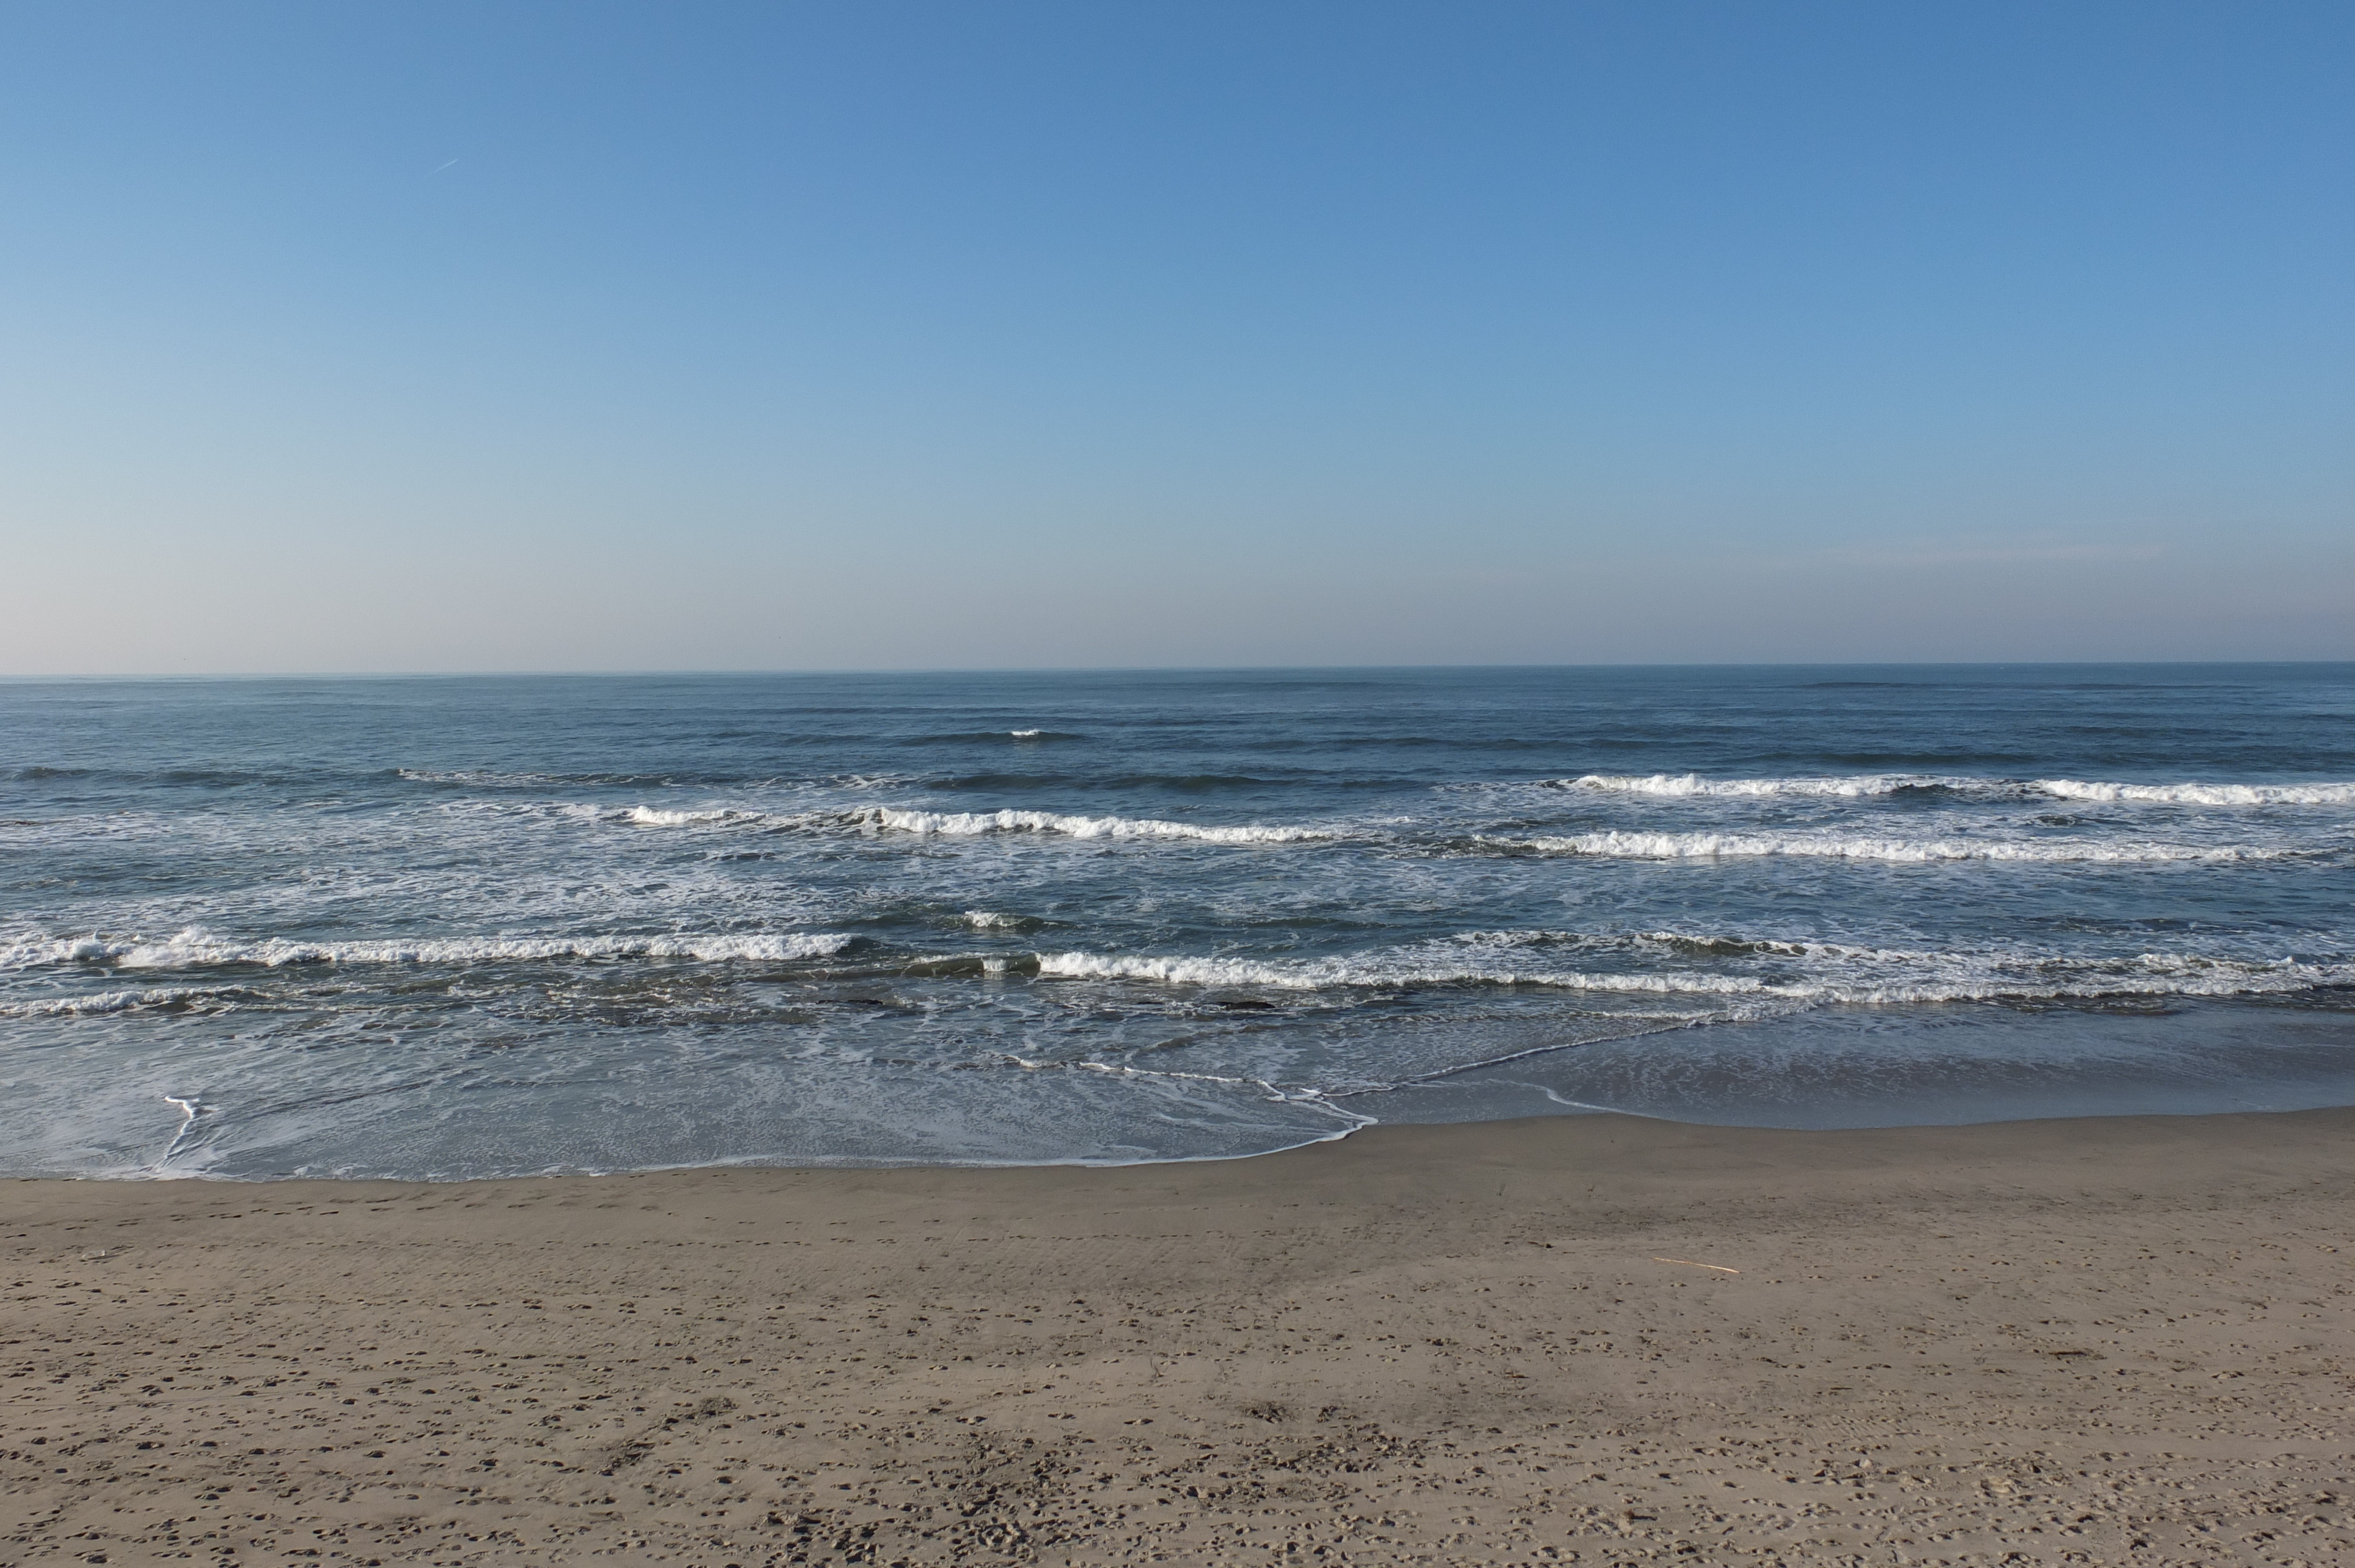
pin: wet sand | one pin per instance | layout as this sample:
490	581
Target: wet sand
1590	1339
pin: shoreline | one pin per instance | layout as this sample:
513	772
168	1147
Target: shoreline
1822	1070
1591	1338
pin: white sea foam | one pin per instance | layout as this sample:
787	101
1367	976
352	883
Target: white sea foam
32	952
2150	975
197	948
1193	972
1689	784
655	817
1860	786
2203	794
189	1109
972	824
101	1003
1396	970
1901	978
1026	733
726	816
1846	846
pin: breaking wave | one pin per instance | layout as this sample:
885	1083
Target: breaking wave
162	997
1882	978
201	950
973	824
1321	974
1692	784
1842	846
2203	794
1865	785
654	817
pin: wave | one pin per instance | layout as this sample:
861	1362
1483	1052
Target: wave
719	816
1328	973
1689	784
972	824
2203	794
655	817
1866	785
174	999
1684	944
1841	846
939	824
201	950
1951	977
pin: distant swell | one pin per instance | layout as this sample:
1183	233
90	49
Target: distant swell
1841	846
988	736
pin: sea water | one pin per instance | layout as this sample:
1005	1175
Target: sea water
457	926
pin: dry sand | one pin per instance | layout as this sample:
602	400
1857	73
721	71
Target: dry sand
1590	1339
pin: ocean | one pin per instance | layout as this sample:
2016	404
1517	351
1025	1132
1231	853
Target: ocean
448	927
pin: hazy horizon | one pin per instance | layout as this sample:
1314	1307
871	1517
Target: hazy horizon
525	338
985	672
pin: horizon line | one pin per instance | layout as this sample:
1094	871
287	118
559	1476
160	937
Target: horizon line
812	672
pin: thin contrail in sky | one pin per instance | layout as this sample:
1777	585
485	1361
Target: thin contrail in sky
443	167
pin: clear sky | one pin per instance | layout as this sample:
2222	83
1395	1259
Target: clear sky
870	333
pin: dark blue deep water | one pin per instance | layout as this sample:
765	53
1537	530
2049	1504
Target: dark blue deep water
445	928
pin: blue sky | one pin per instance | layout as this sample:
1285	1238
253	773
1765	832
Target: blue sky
485	336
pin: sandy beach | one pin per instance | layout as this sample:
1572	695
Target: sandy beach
1589	1340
